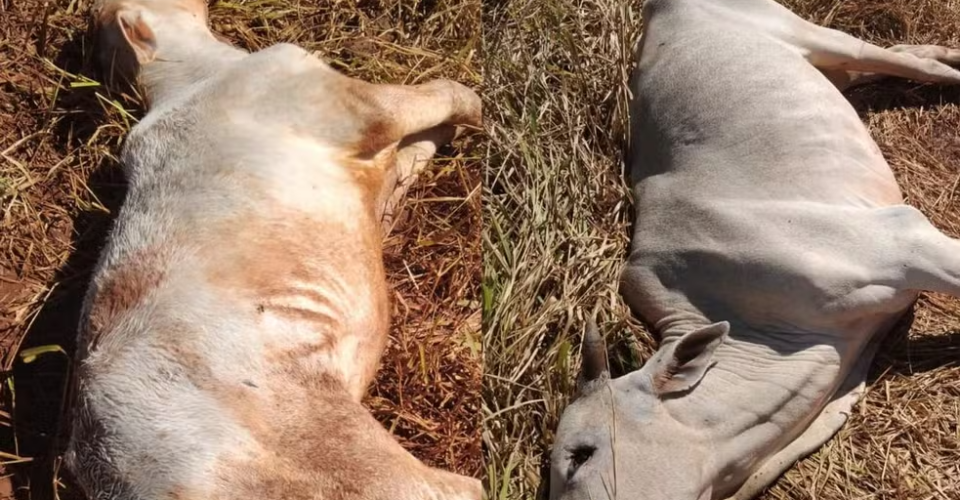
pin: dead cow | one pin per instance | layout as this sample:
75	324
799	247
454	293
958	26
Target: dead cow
239	309
771	250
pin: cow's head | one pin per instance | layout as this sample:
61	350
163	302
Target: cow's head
126	30
618	440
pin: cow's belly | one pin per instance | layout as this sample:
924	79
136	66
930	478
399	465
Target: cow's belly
782	266
279	261
753	121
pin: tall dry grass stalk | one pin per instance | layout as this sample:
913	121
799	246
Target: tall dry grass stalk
556	213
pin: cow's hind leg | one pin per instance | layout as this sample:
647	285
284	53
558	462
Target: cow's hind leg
848	61
924	259
846	79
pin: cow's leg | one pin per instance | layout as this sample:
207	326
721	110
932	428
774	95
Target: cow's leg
415	120
412	156
844	59
848	61
845	79
402	111
924	259
826	425
934	263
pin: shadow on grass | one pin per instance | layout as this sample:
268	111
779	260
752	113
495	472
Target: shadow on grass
901	354
894	93
41	385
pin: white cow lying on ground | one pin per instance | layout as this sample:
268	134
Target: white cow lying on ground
771	251
240	308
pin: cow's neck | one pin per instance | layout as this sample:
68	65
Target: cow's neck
764	389
187	54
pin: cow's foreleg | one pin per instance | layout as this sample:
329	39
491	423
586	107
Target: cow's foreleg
846	79
848	61
824	427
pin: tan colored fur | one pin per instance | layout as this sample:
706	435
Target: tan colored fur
240	309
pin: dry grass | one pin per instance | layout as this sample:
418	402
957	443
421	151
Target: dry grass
557	215
60	185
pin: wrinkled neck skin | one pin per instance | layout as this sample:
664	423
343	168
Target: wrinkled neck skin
187	56
763	390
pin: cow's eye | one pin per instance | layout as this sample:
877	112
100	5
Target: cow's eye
578	457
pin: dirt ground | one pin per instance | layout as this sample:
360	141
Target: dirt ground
60	186
557	216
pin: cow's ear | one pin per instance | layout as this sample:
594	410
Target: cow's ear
138	35
679	365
